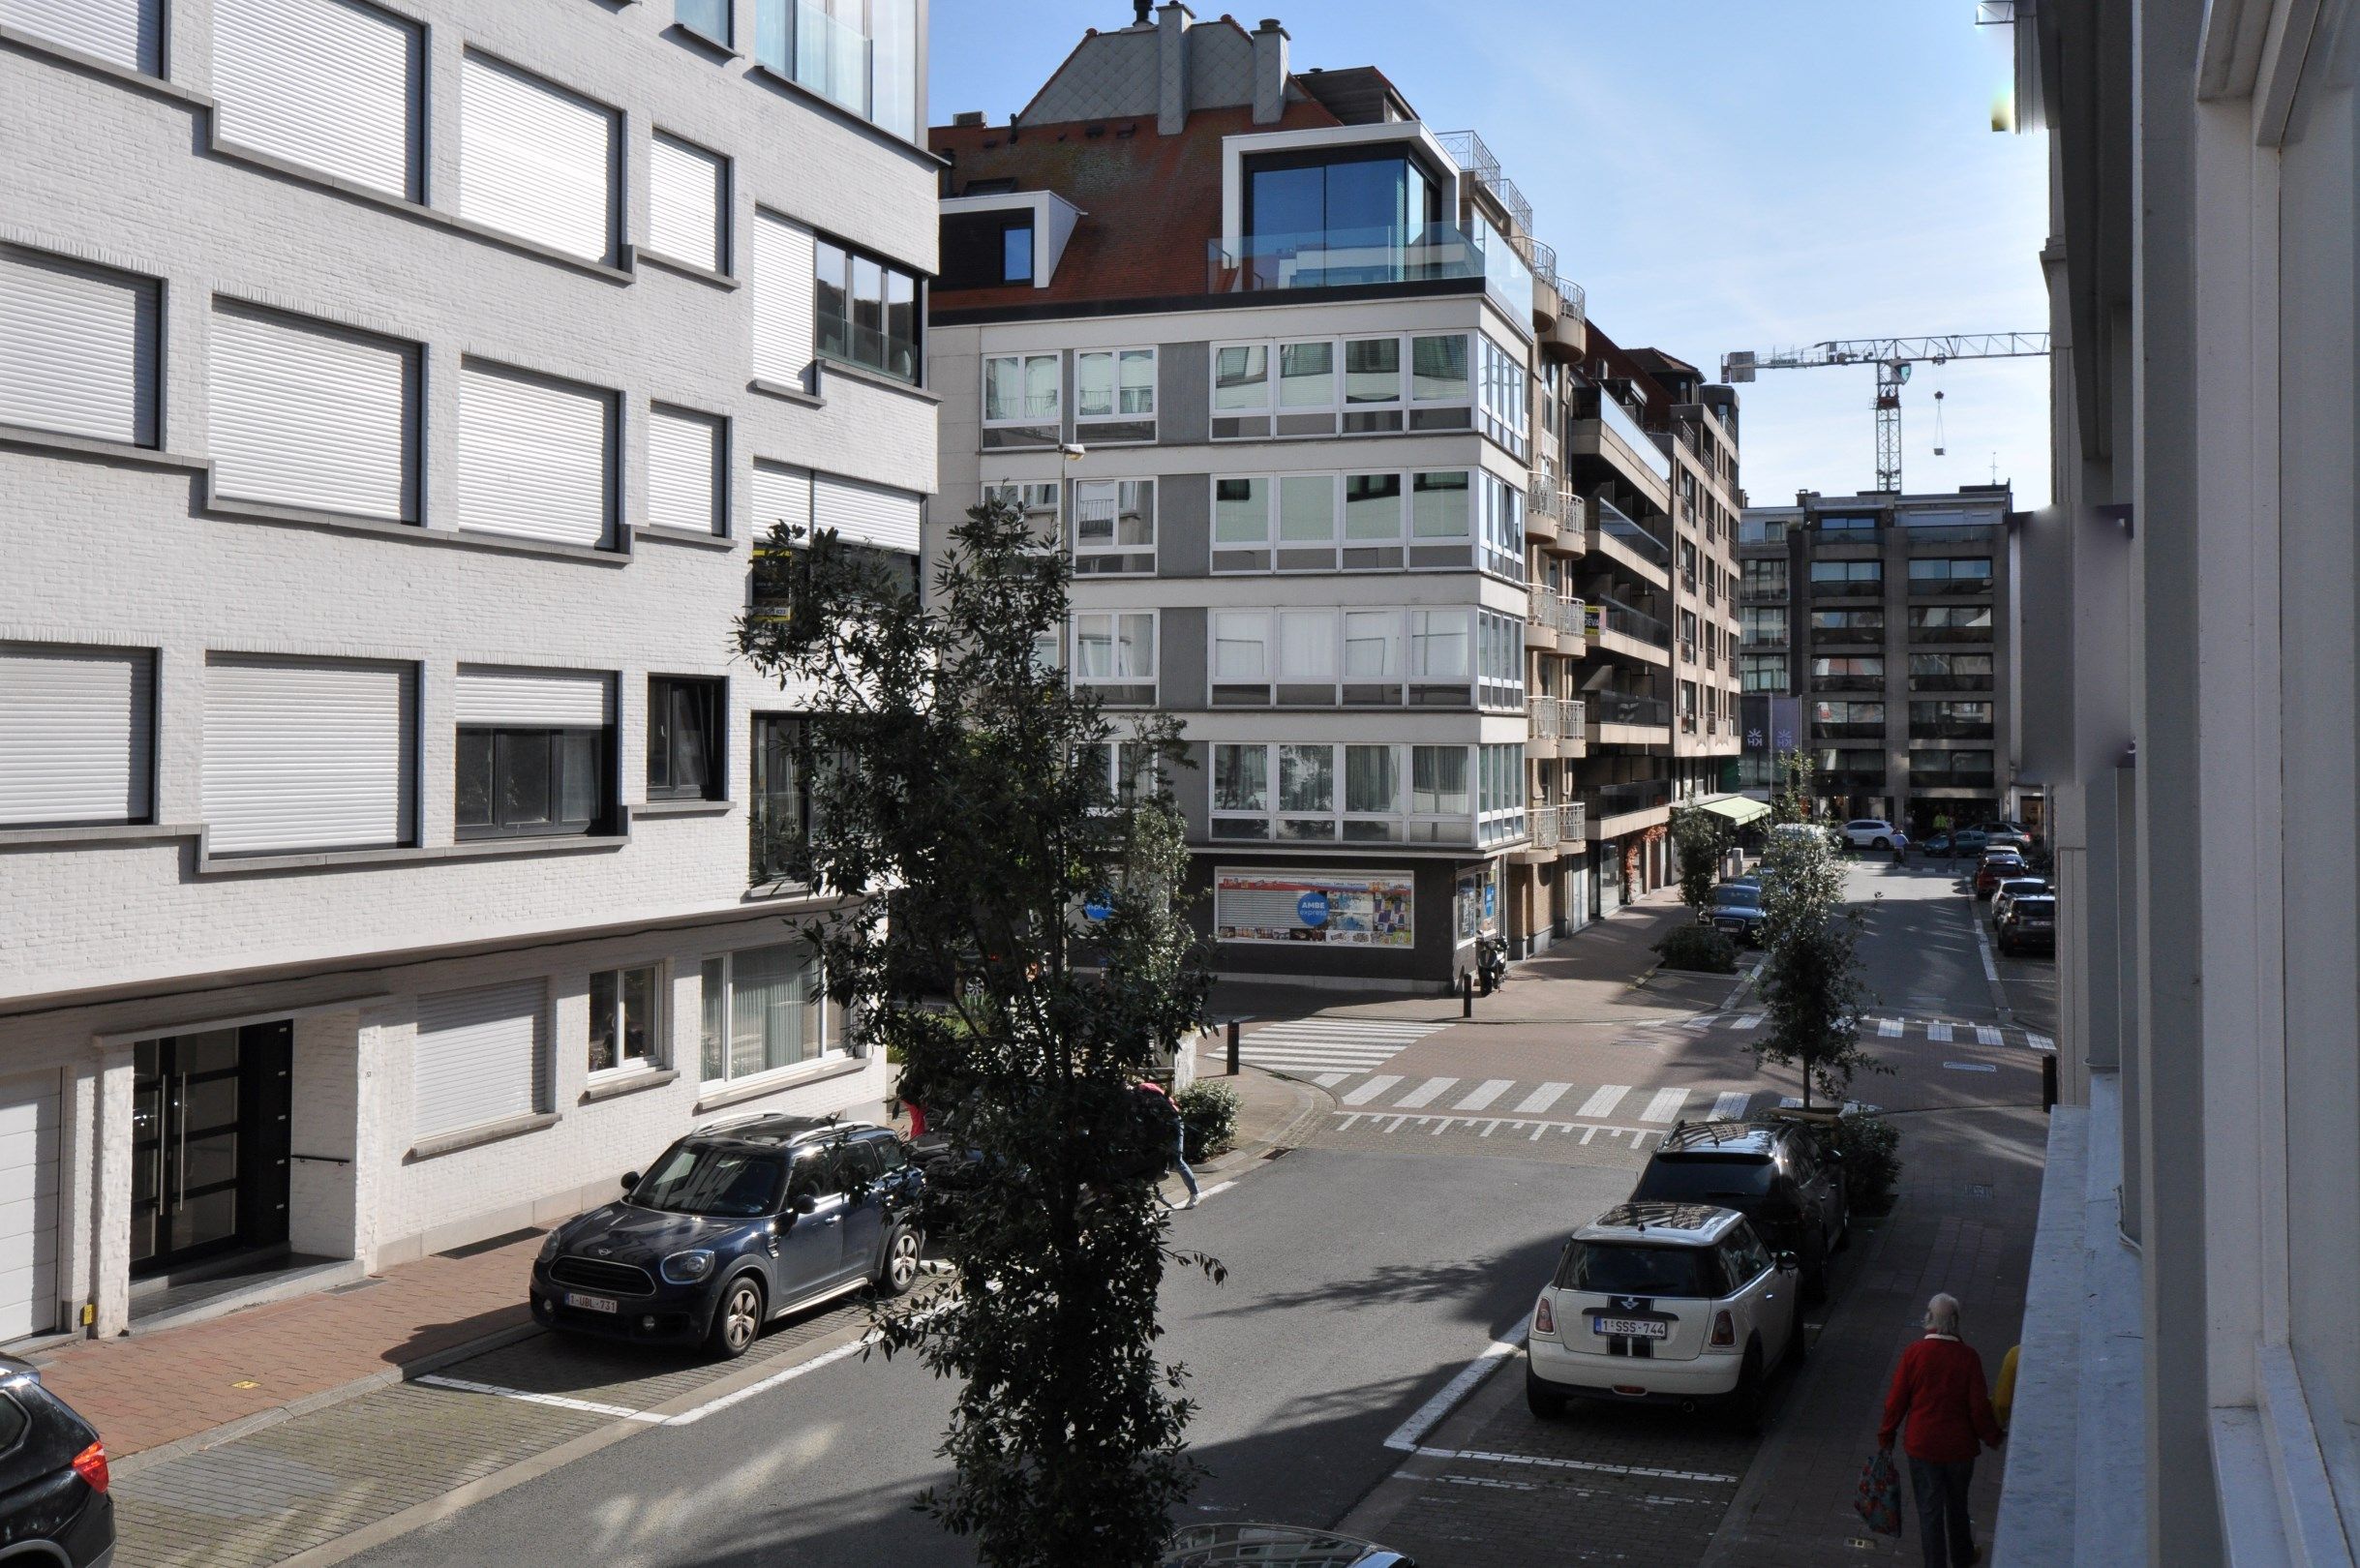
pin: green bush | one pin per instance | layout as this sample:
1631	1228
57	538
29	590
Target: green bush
1699	947
1873	1161
1208	1118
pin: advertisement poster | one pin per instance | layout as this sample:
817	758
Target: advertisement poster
1367	908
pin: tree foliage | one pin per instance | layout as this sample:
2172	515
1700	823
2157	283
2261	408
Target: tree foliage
1810	984
968	812
1700	839
1797	787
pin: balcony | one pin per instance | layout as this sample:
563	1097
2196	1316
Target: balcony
1553	510
1976	683
1986	779
1849	732
1847	683
1614	434
1614	809
1624	542
1340	259
1620	719
1947	588
1630	633
1555	728
1949	730
1848	587
1543	826
1550	619
1951	634
1839	780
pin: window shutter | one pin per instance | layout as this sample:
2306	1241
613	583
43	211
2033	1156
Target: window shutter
77	347
533	457
120	32
323	84
311	415
534	161
309	754
686	191
534	698
871	514
77	735
783	327
781	495
685	471
481	1057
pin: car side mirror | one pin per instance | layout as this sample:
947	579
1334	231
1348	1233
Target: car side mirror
630	1179
1786	1263
801	1203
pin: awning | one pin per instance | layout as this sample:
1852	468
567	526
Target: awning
1738	809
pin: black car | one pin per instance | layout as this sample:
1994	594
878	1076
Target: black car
734	1225
1771	1170
2030	922
1735	911
54	1510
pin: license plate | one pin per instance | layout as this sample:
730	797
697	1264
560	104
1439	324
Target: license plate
591	1304
1630	1328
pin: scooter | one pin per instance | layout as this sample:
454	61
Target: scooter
1490	963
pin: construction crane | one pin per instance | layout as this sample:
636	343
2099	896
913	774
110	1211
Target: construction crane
1892	357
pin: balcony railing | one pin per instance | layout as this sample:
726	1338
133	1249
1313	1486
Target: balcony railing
1948	586
1949	634
1573	822
1472	156
1544	713
1847	683
1626	427
1843	588
1617	525
1546	608
1621	617
1950	730
1850	732
1543	259
1542	826
1949	682
1340	258
1576	299
1623	708
1617	800
1954	780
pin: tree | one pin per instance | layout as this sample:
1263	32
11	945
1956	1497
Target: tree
1810	984
1009	868
1797	787
1701	839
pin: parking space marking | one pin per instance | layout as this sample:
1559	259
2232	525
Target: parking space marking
1938	1032
1665	1107
1970	1066
526	1396
1425	1093
1594	1466
1604	1101
1372	1089
1730	1106
1489	1090
1410	1433
1541	1098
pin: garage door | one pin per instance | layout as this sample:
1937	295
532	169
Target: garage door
29	1138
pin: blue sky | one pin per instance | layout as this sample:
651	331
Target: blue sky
1717	175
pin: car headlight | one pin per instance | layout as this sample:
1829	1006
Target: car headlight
687	1268
549	1242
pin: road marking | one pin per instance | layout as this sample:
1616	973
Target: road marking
1747	1021
1541	1098
1665	1107
1970	1066
1424	1094
1593	1467
1330	1081
2039	1043
1372	1089
557	1401
1410	1433
1439	1122
1215	1190
1986	1035
1604	1101
1730	1106
1938	1032
1889	1028
1485	1093
1982	945
842	1352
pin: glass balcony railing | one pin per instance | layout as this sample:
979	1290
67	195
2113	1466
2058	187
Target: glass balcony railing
1617	800
1340	258
1622	707
1631	622
1617	525
1643	446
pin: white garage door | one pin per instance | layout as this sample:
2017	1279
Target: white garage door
29	1138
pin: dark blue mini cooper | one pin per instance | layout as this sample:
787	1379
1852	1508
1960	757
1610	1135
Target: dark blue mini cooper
737	1223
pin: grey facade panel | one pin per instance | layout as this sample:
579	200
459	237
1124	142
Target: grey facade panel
1184	526
1180	667
1184	393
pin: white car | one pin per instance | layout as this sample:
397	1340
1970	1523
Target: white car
1868	833
1664	1303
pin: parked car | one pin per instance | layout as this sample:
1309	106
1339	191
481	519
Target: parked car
54	1509
1934	844
1868	833
1735	911
732	1225
2031	922
2011	887
2009	839
1663	1303
1998	866
1274	1546
1969	841
1769	1169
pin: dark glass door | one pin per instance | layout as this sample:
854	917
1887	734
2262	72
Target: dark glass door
209	1129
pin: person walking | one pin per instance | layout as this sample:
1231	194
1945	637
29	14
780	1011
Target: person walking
1938	1391
1900	847
1163	1104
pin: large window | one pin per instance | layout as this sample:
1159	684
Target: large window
1039	505
1765	577
1507	405
1949	721
329	84
1949	672
1335	216
308	754
866	311
1949	574
1764	673
1021	400
1342	793
1847	717
684	739
860	55
1500	812
764	1010
1843	577
1366	656
79	348
1351	387
536	457
1353	522
536	160
1956	770
1114	653
1855	674
1858	524
1950	624
780	815
535	752
310	415
1114	396
77	735
1762	625
1848	625
626	1019
1114	526
1503	528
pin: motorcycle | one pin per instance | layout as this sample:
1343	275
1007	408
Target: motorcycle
1490	963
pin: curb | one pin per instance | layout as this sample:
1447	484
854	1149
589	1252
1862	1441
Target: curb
1308	1099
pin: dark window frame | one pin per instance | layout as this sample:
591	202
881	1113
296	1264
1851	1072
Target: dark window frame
837	327
660	729
771	860
506	738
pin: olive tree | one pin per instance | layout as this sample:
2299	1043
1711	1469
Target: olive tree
1798	786
1700	839
1810	986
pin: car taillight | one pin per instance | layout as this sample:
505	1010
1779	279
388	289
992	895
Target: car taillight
1544	1321
1724	1331
91	1465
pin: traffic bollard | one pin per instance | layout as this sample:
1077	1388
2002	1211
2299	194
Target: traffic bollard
1467	993
2048	1083
1233	1048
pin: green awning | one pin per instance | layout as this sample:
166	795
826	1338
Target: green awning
1738	809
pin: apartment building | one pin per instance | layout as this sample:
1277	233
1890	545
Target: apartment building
1288	374
388	396
1891	621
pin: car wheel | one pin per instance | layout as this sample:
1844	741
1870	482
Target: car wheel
737	1318
1746	1401
1541	1399
898	1270
1881	843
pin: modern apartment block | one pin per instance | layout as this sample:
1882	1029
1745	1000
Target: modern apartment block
1892	619
388	396
1289	375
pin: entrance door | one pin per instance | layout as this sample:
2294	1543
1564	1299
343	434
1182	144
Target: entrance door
209	1149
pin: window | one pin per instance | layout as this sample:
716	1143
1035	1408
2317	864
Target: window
534	750
687	471
1844	717
1949	672
1438	784
1847	576
79	348
1762	625
1021	401
1503	528
308	754
127	33
1350	386
1848	625
479	1058
1114	395
860	55
1857	674
626	1018
1761	529
1442	663
1950	624
882	518
1500	650
1114	526
1950	720
1127	767
1353	522
780	815
1852	766
1351	202
1858	523
1762	672
1350	794
1016	252
1307	792
536	457
1038	503
707	18
986	250
1114	653
784	283
685	720
310	415
1955	574
765	1009
1500	816
77	735
1507	407
866	311
1968	770
1765	577
1242	666
327	84
536	160
689	201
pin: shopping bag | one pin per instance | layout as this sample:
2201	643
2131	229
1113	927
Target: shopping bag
1879	1498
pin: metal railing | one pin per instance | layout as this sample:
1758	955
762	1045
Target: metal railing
1616	525
1576	298
1544	716
1624	707
1638	624
1572	822
1543	257
1542	825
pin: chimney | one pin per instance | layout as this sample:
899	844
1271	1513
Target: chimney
1173	23
1140	9
1269	71
968	117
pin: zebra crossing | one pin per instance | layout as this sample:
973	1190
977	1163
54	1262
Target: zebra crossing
1876	1025
1329	1050
1390	1101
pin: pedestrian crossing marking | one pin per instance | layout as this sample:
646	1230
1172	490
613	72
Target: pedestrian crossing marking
1541	1098
2039	1043
1330	1081
1323	1046
1603	1102
1372	1089
1938	1032
1985	1035
1889	1028
1485	1093
1730	1106
1747	1021
1665	1107
1424	1094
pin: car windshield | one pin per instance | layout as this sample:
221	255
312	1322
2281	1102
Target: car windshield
1623	1269
1740	897
730	1183
1731	1182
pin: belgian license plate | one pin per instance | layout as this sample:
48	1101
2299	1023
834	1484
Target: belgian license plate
591	1304
1630	1328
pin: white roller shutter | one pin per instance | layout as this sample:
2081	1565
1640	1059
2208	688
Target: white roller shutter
688	192
30	1134
78	349
781	495
533	457
121	32
480	1058
323	84
305	415
686	477
535	699
869	513
309	754
77	735
783	329
536	160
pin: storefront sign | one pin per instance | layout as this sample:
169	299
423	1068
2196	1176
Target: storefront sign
1366	909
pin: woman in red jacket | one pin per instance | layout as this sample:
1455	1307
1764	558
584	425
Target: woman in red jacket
1939	1391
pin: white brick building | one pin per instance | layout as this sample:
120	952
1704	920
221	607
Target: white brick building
388	396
